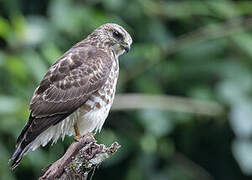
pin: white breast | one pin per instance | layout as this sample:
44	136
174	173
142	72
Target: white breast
100	103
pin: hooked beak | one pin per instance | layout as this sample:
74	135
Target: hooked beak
126	47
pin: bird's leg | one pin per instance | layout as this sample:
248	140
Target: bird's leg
77	132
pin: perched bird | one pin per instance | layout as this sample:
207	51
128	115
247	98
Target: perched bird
76	94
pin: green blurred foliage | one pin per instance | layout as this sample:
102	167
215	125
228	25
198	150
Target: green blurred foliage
194	49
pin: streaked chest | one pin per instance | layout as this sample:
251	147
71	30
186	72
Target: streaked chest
93	113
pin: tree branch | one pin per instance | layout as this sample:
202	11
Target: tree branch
81	157
165	102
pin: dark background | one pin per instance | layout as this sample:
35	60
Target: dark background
191	59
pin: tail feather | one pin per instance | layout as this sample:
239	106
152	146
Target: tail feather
30	132
18	155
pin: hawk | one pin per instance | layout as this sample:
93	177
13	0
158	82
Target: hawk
76	94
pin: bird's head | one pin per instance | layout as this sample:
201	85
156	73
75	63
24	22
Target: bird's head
114	36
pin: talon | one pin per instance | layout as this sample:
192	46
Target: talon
76	138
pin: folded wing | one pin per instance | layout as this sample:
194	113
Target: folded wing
66	86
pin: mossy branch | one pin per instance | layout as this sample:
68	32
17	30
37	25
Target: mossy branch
81	157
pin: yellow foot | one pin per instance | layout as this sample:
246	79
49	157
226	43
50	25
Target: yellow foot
77	137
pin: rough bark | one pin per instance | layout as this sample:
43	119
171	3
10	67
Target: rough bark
82	156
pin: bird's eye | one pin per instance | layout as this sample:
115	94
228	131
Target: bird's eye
117	35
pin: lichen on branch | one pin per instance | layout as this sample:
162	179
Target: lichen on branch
81	157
